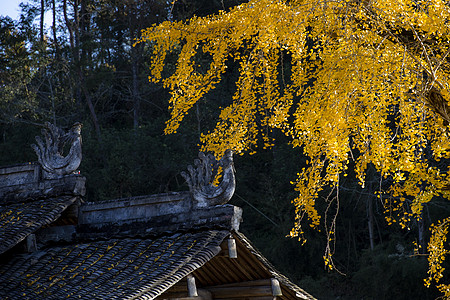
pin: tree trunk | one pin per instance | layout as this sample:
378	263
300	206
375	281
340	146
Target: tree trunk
55	38
76	26
41	25
421	243
370	222
370	218
73	27
70	29
85	24
88	99
135	91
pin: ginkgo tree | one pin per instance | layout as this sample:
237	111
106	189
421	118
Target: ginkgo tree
367	83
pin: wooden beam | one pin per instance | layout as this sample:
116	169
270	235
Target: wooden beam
185	289
186	298
256	288
252	298
229	249
276	288
182	298
241	291
232	250
192	288
257	282
264	298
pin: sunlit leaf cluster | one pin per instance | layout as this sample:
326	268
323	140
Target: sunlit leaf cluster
438	252
349	82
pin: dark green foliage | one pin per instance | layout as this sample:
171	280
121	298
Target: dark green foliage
185	9
130	162
15	141
18	63
392	272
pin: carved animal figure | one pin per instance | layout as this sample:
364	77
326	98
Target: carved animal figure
202	175
50	153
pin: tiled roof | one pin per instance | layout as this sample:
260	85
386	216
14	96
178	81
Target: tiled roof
19	220
112	269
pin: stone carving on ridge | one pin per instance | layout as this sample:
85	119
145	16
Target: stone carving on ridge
202	175
50	152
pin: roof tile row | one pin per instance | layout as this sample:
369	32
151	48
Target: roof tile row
113	269
19	220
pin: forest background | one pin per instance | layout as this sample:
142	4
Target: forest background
67	61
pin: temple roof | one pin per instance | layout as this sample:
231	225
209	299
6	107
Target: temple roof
142	268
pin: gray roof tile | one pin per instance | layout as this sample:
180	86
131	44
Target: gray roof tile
19	220
112	269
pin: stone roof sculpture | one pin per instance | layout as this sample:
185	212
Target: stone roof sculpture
200	179
50	152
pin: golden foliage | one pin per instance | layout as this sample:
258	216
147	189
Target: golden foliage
437	254
368	81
